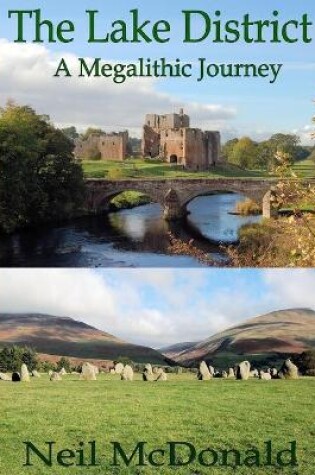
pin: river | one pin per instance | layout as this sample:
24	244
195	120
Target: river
137	237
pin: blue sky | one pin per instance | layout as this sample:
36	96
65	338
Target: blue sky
234	106
157	307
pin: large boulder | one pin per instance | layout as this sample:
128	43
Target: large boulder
264	375
204	373
119	367
16	377
224	375
35	374
88	372
62	371
162	376
25	375
288	370
127	373
5	377
55	376
243	370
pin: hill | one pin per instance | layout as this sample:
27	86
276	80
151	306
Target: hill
265	338
63	336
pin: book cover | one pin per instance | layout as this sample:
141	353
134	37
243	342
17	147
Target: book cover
157	164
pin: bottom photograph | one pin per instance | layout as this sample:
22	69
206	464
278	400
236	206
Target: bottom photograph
157	371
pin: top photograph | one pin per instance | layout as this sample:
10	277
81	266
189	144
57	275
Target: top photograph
169	134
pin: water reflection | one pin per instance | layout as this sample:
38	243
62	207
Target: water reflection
212	217
136	237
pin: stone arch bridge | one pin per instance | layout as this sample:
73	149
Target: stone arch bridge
174	195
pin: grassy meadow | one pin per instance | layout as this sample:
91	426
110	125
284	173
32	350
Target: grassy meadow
218	413
140	168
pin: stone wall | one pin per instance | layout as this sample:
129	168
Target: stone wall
105	147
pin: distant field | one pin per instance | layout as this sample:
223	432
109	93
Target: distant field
138	168
218	413
305	168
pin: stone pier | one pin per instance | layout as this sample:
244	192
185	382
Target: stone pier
174	194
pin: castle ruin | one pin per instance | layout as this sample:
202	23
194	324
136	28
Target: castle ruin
171	138
103	146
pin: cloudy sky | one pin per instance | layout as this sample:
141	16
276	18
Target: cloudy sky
234	106
156	308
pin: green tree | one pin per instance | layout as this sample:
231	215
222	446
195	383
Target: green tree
306	362
70	132
285	143
244	153
12	358
64	363
91	131
227	149
39	179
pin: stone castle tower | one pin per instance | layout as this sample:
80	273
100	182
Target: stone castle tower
171	138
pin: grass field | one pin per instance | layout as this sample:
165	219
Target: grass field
218	414
138	168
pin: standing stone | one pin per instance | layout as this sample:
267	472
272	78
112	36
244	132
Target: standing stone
35	374
50	372
274	373
88	372
148	368
224	374
147	376
231	373
288	370
243	370
112	371
96	369
5	377
254	373
264	375
204	373
127	373
16	377
25	375
162	377
55	376
62	372
119	368
211	370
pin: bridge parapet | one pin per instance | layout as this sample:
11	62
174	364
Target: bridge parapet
174	195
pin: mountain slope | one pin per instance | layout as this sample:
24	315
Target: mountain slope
283	331
67	337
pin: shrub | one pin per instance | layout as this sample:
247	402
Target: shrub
247	208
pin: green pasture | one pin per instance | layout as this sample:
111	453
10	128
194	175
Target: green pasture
219	414
140	168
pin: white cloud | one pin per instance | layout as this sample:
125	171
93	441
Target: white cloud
291	288
27	76
157	307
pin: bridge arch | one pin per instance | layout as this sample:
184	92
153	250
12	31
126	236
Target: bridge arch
174	195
